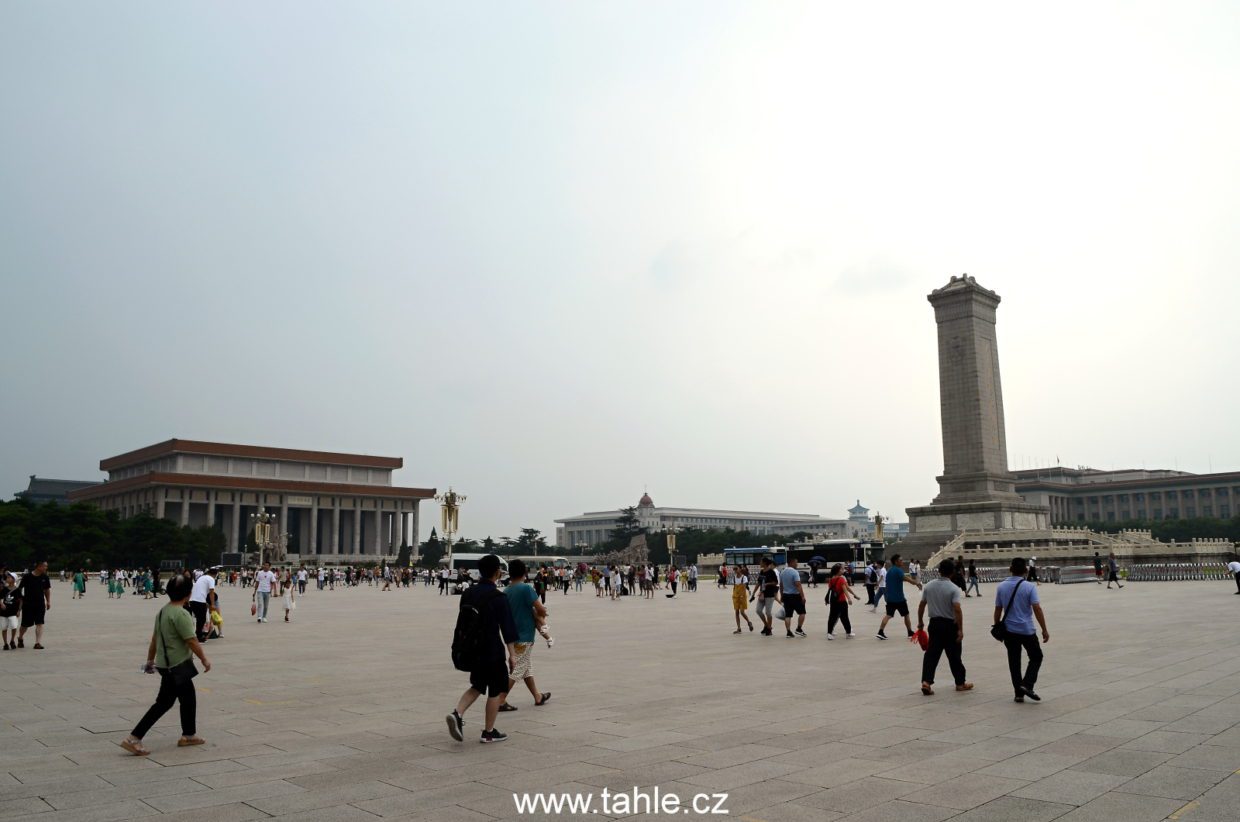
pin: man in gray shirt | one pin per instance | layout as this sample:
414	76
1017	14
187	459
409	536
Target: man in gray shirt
942	597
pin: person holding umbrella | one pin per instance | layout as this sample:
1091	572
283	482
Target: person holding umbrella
815	562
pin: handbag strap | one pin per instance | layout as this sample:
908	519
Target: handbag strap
159	632
1011	599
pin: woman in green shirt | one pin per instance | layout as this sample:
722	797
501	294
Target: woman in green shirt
172	643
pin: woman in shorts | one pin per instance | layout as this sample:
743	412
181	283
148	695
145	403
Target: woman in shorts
740	596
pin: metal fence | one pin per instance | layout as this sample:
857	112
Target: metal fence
1176	571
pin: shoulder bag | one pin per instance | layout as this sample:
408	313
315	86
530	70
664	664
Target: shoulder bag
999	630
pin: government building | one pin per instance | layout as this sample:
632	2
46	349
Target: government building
1083	495
333	507
594	528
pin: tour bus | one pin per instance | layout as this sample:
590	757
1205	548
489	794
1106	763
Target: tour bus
469	564
534	563
750	557
824	554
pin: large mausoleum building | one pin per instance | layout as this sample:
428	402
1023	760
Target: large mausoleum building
334	507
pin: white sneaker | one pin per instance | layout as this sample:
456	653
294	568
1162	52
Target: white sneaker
830	637
851	636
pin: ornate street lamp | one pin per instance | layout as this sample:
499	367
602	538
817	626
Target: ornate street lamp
262	522
449	516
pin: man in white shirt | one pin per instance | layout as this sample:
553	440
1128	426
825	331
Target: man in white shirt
322	576
882	586
1234	567
202	600
301	580
693	577
263	582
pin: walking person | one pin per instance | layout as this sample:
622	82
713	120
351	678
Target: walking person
792	595
973	586
527	610
1112	571
10	609
882	587
740	597
1097	567
36	593
202	601
871	582
672	580
767	591
289	597
486	633
941	597
79	584
264	580
1234	567
839	592
896	603
1016	606
172	643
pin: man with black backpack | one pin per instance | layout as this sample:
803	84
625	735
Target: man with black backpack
484	629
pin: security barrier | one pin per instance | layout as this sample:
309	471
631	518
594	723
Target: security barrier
1177	571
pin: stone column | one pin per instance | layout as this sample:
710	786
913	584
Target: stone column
377	541
414	531
184	507
356	547
236	522
211	509
334	542
283	527
160	496
314	526
398	530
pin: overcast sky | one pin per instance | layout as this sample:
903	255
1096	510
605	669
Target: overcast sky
555	253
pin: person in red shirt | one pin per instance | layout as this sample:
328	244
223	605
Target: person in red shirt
839	593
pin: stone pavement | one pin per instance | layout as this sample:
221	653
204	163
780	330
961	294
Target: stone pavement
339	714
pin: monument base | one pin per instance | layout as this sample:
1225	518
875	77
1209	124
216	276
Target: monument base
933	526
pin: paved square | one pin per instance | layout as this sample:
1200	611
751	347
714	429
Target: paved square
338	715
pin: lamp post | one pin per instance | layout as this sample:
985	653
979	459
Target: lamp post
262	522
449	516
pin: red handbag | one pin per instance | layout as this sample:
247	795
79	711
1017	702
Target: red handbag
921	638
253	608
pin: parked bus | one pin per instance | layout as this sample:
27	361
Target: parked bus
534	563
855	552
469	564
750	557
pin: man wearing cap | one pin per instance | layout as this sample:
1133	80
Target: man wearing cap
202	600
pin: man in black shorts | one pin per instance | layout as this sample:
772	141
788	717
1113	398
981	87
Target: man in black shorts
36	591
488	674
793	597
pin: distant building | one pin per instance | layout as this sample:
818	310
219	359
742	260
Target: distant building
594	528
42	490
335	507
1083	495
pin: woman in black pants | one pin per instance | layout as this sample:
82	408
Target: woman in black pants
172	643
839	590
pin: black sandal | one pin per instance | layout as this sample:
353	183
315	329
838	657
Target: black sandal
545	697
506	708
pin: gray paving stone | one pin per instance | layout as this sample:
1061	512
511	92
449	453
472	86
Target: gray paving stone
1174	783
1032	765
857	796
899	810
965	793
1121	762
1208	757
1014	809
1123	806
1070	787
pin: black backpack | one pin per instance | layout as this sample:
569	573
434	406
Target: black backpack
468	639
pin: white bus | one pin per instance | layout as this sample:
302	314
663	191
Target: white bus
469	564
534	563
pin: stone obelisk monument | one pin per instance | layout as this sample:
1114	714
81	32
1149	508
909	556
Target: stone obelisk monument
976	490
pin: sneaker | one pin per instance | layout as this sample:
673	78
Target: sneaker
830	637
801	633
852	636
493	736
880	635
456	726
790	636
1019	698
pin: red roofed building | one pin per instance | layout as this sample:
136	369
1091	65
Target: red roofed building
335	507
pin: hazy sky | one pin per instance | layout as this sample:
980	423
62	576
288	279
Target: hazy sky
554	253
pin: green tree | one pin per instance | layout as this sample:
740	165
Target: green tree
431	551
